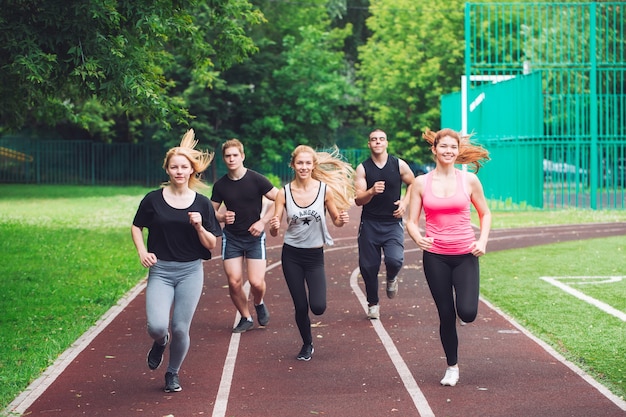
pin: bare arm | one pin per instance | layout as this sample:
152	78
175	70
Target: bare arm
338	217
146	258
479	201
363	194
279	208
267	212
207	239
407	177
415	212
220	215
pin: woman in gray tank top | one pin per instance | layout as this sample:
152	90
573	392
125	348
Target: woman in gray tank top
305	200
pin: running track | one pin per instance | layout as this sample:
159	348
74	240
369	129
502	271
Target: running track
360	368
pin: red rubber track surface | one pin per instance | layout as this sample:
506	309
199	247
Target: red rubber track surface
504	372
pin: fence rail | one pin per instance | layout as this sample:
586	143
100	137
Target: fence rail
545	91
88	163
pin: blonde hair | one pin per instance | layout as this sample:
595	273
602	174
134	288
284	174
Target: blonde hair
469	153
233	143
200	160
334	171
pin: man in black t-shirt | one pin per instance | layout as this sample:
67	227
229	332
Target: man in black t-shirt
241	191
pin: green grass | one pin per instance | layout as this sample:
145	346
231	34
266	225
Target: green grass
67	257
584	334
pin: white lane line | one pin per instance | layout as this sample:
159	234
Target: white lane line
584	297
423	408
223	392
574	368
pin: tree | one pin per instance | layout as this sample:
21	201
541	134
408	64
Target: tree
58	56
415	55
294	90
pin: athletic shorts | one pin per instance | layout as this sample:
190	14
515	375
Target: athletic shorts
251	247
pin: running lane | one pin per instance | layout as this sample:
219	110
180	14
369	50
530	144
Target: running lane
360	368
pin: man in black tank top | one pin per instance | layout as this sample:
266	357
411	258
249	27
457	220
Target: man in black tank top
378	184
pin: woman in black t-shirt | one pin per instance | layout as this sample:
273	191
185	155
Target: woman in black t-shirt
182	229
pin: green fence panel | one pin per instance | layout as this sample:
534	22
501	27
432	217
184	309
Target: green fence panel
545	92
88	163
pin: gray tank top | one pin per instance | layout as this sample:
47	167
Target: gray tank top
307	225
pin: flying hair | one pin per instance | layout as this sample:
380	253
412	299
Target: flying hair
469	153
333	170
199	160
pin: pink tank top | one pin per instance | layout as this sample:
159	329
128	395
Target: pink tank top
448	218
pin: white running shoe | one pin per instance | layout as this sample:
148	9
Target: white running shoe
373	312
451	377
392	287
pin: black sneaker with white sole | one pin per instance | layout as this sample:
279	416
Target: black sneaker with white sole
171	383
155	355
306	352
243	326
262	314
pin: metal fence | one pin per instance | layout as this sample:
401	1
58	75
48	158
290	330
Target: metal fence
545	92
88	163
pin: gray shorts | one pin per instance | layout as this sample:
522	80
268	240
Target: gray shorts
250	247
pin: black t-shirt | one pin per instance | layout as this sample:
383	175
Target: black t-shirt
170	235
243	196
381	206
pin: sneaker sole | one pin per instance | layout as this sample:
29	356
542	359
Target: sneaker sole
263	321
179	389
243	329
302	358
152	368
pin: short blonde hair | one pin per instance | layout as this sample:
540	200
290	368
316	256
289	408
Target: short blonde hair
233	143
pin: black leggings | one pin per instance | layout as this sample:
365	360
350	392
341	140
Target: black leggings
304	268
447	276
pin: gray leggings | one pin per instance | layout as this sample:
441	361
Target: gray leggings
178	284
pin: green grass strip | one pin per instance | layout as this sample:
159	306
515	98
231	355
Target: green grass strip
586	335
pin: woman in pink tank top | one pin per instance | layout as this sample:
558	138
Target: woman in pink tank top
449	244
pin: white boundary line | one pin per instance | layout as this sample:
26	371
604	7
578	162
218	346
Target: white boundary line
41	384
37	387
601	388
584	297
223	392
423	408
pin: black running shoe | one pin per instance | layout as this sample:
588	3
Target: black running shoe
306	352
155	355
262	314
171	383
244	325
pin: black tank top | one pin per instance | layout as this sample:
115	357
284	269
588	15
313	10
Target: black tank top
381	206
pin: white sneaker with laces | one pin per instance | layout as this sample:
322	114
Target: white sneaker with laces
451	377
373	312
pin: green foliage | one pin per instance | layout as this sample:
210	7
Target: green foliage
61	55
296	89
415	55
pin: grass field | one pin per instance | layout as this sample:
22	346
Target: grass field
586	335
67	257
